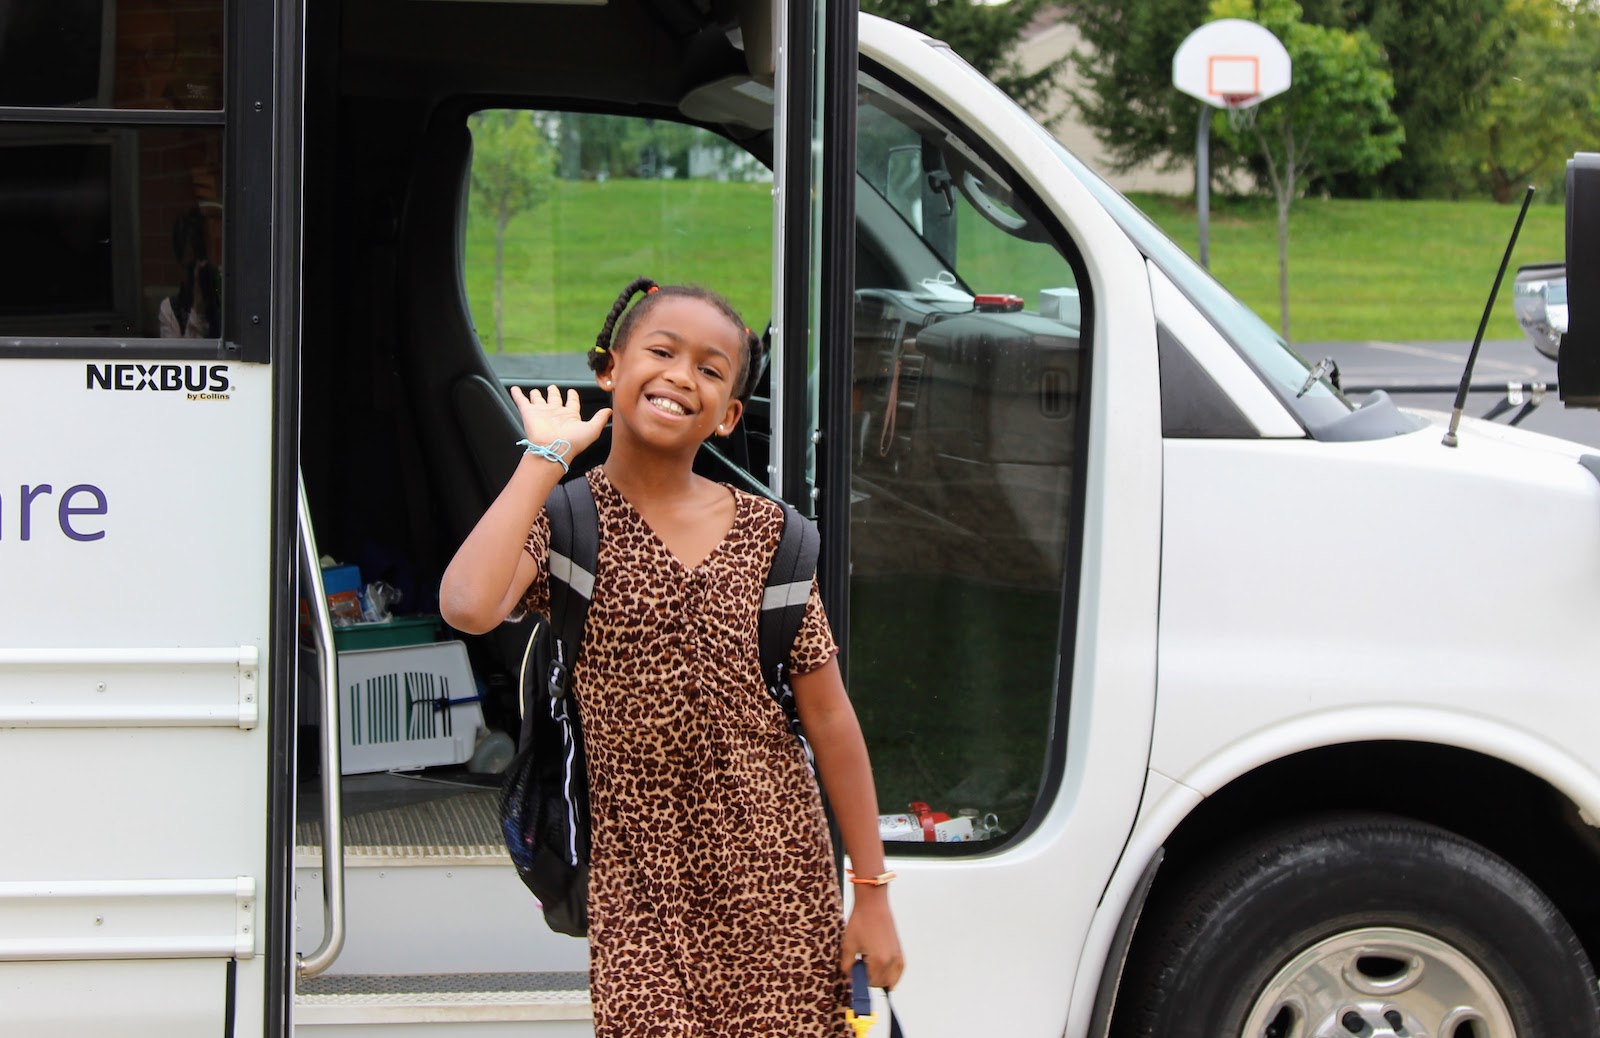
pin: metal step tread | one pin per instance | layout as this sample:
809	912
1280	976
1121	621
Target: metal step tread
443	996
463	827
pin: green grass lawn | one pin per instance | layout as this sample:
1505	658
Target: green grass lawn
1358	269
1363	269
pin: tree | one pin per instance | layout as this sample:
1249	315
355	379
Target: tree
1335	118
1441	54
985	34
1444	55
1545	108
1125	68
513	167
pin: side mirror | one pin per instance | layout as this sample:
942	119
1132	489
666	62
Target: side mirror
1539	297
1578	363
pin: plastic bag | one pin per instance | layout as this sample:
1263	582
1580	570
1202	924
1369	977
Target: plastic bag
378	600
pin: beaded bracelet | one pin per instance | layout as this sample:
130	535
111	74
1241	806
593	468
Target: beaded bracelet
555	450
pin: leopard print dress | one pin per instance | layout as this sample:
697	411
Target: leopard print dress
714	908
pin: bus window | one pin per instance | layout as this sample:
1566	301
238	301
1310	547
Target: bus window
566	208
112	217
131	54
111	231
967	387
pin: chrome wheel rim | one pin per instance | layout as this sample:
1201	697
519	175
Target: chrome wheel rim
1379	982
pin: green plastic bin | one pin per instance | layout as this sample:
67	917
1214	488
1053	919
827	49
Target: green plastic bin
401	631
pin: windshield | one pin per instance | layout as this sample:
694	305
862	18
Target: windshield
1264	349
1275	360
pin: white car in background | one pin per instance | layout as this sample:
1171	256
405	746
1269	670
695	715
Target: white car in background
1540	299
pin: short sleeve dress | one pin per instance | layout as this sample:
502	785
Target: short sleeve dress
714	908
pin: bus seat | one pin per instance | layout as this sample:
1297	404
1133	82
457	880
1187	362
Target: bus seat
437	347
489	426
465	422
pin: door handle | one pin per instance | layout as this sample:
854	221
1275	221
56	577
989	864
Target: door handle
308	966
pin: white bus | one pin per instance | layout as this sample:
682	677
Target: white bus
1257	722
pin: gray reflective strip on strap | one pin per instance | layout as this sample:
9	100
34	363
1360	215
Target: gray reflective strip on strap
571	574
782	596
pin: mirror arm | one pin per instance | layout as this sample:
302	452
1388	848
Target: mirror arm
941	181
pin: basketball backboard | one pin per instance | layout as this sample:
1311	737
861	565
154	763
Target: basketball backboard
1230	63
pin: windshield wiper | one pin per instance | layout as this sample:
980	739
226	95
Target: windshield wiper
1322	369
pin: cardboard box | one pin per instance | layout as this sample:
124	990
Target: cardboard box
342	585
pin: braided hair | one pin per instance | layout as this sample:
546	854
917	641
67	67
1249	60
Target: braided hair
613	335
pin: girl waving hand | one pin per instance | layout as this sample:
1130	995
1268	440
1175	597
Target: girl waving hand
714	908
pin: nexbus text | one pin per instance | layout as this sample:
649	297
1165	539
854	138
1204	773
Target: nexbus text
169	378
74	501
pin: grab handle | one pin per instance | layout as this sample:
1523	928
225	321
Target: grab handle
308	966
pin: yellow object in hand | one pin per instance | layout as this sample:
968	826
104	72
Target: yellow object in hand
859	1012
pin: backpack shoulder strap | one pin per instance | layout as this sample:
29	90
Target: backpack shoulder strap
574	556
783	603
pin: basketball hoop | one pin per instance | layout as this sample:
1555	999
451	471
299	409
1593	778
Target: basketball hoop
1234	65
1241	109
1231	63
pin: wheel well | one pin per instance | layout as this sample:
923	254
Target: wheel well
1516	815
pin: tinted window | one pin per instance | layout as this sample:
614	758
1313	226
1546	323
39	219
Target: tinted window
113	228
145	54
110	231
968	384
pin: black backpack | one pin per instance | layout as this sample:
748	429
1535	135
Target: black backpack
544	803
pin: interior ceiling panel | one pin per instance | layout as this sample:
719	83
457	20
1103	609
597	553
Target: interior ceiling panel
609	52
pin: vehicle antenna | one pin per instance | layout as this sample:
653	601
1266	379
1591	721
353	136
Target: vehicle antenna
1472	358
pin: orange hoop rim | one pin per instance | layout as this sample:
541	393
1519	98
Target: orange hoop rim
1238	100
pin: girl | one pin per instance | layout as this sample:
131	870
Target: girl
713	904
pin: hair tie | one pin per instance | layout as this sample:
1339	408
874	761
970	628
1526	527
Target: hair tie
652	288
598	349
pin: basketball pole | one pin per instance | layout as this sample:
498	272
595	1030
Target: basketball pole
1202	182
1227	63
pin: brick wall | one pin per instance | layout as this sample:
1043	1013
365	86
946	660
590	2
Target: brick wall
168	54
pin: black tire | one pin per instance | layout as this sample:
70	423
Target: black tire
1354	908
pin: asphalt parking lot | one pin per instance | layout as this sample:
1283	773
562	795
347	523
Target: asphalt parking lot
1403	369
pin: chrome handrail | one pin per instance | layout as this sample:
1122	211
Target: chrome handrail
308	966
